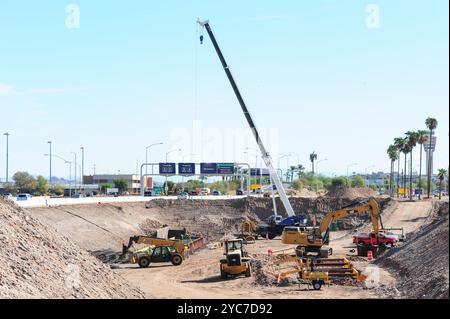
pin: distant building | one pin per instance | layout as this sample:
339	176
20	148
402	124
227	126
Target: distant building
134	181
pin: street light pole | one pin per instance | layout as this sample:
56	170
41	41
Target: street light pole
182	177
82	164
75	176
50	158
167	159
317	164
7	155
146	156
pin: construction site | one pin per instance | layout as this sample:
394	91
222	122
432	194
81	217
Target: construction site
91	237
266	238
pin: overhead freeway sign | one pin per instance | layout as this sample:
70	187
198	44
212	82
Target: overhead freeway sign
225	168
208	168
186	168
167	169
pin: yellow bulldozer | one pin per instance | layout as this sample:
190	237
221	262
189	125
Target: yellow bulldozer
316	239
237	261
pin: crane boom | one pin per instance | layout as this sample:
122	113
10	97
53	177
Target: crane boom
265	155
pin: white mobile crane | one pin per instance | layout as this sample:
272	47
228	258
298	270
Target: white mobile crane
292	219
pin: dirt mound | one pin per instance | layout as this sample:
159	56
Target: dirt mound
38	262
262	274
346	192
150	226
422	263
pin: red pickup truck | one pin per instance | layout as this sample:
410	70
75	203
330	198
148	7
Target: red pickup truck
370	239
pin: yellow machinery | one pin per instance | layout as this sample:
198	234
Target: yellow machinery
314	239
289	265
315	271
248	231
178	245
236	260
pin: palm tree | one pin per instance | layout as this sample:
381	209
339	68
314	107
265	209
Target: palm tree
431	124
399	143
393	156
300	171
412	138
293	170
405	150
421	139
312	158
442	172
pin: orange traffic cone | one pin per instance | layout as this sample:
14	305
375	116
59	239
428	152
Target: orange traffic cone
369	255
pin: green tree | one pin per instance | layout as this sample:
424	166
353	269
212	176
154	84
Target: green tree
340	181
298	184
300	171
442	173
312	158
105	186
58	190
422	137
431	124
293	169
42	185
25	182
399	143
121	184
412	139
405	150
358	181
393	156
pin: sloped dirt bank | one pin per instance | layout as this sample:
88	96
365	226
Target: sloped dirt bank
422	264
38	262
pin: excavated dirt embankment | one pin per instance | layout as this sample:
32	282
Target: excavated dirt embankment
422	264
38	262
102	227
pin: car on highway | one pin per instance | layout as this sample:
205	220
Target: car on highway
216	193
23	197
78	195
183	195
6	196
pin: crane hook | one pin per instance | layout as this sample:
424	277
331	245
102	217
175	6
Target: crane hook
201	39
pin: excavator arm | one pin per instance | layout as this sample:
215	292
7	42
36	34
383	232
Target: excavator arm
371	206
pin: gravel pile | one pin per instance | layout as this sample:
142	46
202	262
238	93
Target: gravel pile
39	262
149	226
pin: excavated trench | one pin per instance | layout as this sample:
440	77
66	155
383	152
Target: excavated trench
103	228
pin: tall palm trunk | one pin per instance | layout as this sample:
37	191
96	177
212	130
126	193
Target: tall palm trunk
404	179
398	174
391	180
420	171
410	174
429	165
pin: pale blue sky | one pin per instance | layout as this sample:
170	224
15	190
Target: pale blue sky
312	70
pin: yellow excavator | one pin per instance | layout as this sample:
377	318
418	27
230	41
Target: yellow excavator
316	239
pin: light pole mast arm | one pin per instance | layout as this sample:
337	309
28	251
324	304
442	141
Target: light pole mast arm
265	155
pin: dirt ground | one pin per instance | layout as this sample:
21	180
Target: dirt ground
199	277
38	262
104	227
